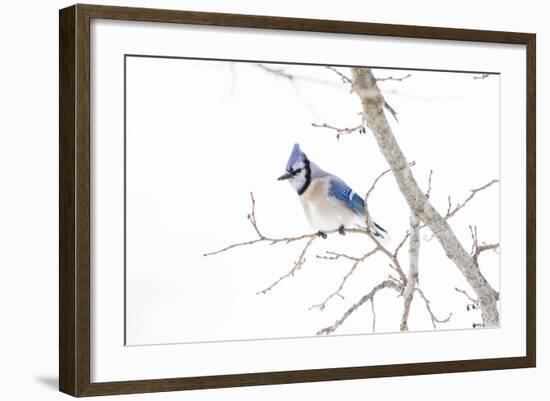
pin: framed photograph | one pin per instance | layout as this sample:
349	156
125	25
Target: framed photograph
249	200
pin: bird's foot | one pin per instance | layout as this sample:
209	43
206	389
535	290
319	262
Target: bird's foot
321	234
341	230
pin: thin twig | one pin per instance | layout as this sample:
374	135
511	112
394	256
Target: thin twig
329	255
395	262
449	206
391	78
429	185
293	78
473	234
452	212
382	174
341	131
277	71
297	265
390	277
478	249
470	298
473	192
344	78
400	245
434	318
486	247
357	262
354	307
261	237
391	110
390	255
255	241
373	314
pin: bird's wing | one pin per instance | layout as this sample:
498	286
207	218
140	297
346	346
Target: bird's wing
340	190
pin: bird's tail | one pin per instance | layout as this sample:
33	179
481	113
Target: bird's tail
378	231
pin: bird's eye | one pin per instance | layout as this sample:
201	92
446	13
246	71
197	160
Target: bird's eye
297	171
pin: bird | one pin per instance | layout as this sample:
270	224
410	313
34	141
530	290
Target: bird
328	202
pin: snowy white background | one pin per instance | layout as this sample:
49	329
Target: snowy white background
202	134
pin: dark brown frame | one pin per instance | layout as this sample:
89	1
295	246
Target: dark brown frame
74	199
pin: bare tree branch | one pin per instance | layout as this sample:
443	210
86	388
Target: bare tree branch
297	265
382	174
310	238
398	282
485	247
261	237
400	245
473	192
357	261
373	314
392	256
481	76
344	78
478	249
384	284
276	71
412	279
365	86
429	309
474	302
293	78
329	255
391	110
429	185
452	212
395	262
391	78
341	131
347	80
466	295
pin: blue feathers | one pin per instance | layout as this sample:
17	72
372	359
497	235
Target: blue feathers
340	190
296	155
328	202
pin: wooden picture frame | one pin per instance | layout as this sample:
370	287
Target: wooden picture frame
74	200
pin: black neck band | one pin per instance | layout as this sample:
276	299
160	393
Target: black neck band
308	177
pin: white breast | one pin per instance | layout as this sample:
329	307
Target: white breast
325	213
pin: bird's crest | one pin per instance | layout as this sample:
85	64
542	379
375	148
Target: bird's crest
296	155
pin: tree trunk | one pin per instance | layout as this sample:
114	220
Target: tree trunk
373	103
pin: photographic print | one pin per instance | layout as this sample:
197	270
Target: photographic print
266	200
255	200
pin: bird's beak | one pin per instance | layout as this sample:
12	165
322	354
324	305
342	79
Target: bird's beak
285	176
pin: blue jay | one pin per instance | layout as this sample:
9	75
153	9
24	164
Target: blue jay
328	202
